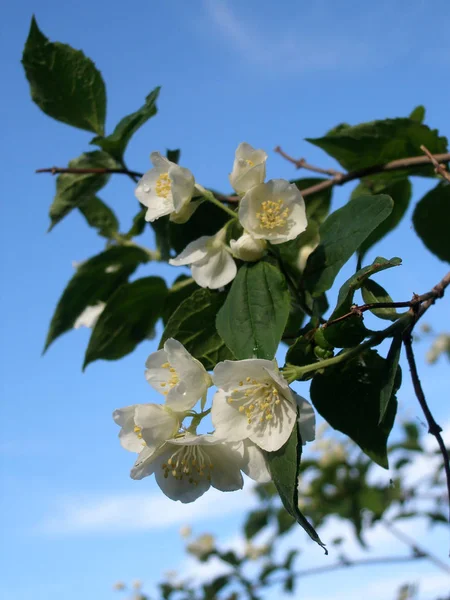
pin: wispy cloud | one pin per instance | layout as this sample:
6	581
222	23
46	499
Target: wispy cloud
125	513
310	38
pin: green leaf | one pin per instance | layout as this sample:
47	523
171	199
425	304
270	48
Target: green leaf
73	190
138	225
392	377
361	146
284	467
317	205
116	143
177	295
400	192
349	398
351	331
256	520
99	215
193	324
128	318
431	218
374	292
95	280
341	235
254	315
64	83
301	352
162	232
207	220
173	155
418	114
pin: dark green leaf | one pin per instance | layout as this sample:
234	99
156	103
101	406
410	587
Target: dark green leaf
182	288
301	352
64	83
128	318
318	204
207	220
138	226
341	235
173	156
351	331
193	324
73	190
349	396
393	376
431	220
400	192
289	584
418	114
230	558
285	521
211	590
292	554
254	315
373	292
116	143
162	236
256	520
99	215
368	144
284	467
95	280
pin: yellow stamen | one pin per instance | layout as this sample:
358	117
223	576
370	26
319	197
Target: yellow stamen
274	213
163	185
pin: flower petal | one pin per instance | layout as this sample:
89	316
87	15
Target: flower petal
216	270
145	465
183	185
306	420
230	424
157	375
157	424
178	489
226	473
194	252
271	435
228	374
127	436
253	462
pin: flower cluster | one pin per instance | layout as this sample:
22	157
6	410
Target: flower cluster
253	410
269	212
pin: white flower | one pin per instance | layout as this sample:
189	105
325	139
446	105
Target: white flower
273	211
248	248
202	546
186	466
254	401
167	189
185	531
90	315
253	463
212	265
249	168
180	377
160	423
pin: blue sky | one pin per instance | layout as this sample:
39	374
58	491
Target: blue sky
267	73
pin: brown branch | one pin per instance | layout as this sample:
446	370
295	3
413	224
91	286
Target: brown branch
406	539
301	163
345	562
394	165
433	427
438	168
92	171
425	299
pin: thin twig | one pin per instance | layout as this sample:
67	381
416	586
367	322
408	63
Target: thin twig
364	562
394	165
91	171
301	163
433	427
438	168
403	537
